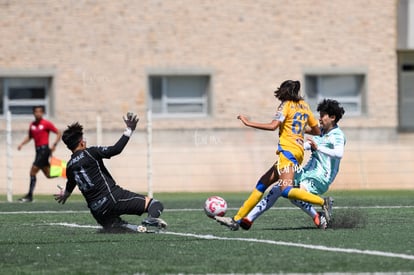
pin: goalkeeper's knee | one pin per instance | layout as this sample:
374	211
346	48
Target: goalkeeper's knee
155	208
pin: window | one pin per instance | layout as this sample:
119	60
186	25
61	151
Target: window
19	94
405	26
348	89
405	90
179	95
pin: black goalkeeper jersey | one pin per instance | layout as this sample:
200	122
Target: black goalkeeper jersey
87	170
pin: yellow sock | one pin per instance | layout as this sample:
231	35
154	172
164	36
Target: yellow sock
248	205
302	195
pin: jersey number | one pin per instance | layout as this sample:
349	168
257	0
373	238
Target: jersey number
299	122
82	179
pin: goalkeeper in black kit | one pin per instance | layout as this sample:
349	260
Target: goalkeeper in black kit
106	200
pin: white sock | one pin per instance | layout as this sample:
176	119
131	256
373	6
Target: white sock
306	207
266	203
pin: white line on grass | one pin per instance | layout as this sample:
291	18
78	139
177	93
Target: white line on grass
309	246
252	240
75	225
45	212
201	209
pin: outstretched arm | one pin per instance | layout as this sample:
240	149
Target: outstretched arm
271	126
131	121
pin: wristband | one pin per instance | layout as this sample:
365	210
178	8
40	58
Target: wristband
128	132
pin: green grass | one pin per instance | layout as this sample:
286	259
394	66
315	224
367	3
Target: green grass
29	244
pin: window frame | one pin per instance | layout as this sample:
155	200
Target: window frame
9	75
204	100
359	99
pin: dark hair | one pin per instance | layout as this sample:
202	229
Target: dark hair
38	106
73	135
289	90
332	108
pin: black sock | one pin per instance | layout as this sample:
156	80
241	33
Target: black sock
32	185
155	208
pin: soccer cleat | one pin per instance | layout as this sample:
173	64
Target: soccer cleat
323	223
320	220
227	221
26	198
246	223
121	226
154	222
327	209
133	228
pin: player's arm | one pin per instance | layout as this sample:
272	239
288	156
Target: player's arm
336	152
315	130
64	195
25	141
277	120
131	122
52	127
57	139
271	126
312	127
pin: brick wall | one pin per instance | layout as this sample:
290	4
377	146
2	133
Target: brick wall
101	51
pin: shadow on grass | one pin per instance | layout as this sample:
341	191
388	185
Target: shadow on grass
290	228
349	219
343	219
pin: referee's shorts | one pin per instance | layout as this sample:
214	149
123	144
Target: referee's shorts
42	156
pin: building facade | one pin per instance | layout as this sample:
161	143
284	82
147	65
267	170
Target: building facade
194	66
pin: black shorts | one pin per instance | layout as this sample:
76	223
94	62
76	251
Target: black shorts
107	212
42	156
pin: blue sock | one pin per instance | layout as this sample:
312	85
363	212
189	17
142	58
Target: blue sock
261	186
286	191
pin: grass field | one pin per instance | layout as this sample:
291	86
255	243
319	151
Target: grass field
373	232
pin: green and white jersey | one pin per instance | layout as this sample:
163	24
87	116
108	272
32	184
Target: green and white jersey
323	165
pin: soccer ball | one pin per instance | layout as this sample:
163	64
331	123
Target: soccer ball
215	206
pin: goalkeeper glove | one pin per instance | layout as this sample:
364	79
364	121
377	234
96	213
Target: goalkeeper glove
131	121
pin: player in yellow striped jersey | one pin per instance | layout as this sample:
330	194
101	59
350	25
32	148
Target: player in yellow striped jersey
293	118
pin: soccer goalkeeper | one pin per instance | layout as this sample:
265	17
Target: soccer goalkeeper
106	200
319	172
